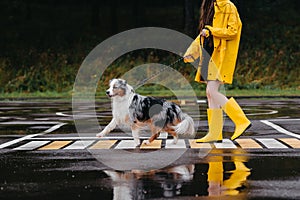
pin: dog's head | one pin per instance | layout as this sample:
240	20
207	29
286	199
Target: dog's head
117	87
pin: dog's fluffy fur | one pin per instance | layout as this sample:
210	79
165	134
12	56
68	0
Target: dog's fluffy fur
139	111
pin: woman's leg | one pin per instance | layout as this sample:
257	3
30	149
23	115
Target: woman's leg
214	113
230	107
214	97
218	101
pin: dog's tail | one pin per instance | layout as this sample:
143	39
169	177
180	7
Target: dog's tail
186	126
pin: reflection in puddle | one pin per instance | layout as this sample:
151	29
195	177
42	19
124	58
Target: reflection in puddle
216	176
218	186
222	174
159	183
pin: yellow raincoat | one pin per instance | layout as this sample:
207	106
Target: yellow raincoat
226	31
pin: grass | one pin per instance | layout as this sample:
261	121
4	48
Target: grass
264	93
164	93
24	95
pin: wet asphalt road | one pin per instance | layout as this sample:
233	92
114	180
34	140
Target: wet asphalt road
215	173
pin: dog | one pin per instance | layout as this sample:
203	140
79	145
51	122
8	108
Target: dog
139	111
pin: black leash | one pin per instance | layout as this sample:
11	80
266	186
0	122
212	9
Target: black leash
159	72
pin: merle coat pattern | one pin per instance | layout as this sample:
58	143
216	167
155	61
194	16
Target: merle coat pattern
139	111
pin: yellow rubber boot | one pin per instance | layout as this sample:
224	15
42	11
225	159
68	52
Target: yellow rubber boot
215	178
215	125
215	172
238	177
236	114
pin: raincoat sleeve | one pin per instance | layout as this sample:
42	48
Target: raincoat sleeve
231	30
193	50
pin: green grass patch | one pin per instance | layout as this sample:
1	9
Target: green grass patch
264	92
163	92
47	94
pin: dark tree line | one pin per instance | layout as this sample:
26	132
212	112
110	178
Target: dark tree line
248	10
50	38
138	11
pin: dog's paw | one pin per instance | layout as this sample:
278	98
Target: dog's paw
175	140
137	142
101	134
146	142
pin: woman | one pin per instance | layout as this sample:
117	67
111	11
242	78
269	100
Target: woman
217	46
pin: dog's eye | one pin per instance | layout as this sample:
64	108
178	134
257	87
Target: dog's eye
115	87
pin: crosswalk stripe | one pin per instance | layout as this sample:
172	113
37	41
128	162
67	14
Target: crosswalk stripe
248	144
126	144
55	145
163	135
226	144
293	142
195	145
244	143
31	145
104	144
80	144
271	143
156	144
179	145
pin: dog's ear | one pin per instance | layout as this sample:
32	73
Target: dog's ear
124	82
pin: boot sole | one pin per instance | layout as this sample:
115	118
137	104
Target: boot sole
249	126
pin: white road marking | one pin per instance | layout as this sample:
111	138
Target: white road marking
31	145
18	140
51	129
126	144
94	138
271	143
180	144
262	112
280	129
85	142
80	144
201	101
282	120
226	144
63	114
74	138
28	123
163	135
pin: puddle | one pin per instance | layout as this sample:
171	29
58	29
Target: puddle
185	180
218	175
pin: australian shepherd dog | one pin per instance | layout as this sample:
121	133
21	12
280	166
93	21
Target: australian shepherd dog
139	111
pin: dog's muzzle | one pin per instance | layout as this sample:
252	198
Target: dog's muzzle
109	95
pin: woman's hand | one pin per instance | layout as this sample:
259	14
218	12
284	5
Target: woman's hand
205	32
188	59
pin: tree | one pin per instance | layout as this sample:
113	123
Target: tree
114	6
138	13
189	18
95	5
